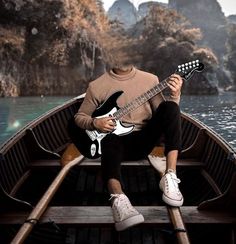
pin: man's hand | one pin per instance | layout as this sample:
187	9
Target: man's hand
175	83
105	124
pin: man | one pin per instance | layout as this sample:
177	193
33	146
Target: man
152	120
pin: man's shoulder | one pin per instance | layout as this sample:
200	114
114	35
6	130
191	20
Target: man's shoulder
99	80
146	75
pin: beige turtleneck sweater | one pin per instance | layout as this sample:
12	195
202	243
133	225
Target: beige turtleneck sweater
133	85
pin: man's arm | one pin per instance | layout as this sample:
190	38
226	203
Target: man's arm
83	118
175	84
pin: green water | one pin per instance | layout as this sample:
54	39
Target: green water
218	112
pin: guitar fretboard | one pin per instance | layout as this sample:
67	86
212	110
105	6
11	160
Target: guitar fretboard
185	71
137	102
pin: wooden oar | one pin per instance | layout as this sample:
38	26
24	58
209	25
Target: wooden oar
158	161
44	201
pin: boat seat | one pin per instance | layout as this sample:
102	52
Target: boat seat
102	215
94	162
71	152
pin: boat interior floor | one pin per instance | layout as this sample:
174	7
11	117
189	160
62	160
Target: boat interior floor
82	194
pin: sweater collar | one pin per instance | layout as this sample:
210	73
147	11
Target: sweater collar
128	76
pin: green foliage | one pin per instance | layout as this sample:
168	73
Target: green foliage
167	40
64	44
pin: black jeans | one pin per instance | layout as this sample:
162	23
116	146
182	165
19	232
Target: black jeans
166	121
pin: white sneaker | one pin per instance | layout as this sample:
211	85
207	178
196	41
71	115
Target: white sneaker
171	193
124	214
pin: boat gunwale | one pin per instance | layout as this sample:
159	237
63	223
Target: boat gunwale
32	124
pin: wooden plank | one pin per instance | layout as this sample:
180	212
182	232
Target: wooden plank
96	163
103	215
159	163
42	205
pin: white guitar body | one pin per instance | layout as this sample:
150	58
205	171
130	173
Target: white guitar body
98	136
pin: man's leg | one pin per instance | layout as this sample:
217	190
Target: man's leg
114	186
172	131
171	160
124	214
167	120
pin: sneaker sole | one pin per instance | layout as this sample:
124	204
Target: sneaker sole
127	223
171	202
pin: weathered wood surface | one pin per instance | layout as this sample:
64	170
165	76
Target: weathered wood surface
42	205
93	162
158	161
85	215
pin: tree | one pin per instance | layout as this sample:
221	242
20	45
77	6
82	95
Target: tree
166	40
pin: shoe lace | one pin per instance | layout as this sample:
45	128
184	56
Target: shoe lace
173	185
123	204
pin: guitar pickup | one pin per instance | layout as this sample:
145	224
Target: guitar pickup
92	134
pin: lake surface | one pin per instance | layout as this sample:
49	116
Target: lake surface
218	112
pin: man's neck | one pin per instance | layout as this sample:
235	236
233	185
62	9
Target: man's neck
122	71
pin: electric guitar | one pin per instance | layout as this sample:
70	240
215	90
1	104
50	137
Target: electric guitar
91	139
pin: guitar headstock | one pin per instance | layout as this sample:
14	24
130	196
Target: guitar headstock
186	70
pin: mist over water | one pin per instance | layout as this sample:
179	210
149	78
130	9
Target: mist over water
217	112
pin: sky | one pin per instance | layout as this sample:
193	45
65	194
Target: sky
228	6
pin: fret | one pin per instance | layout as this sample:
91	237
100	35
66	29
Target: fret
153	91
139	101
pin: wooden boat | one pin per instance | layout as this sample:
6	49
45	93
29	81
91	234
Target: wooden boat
78	210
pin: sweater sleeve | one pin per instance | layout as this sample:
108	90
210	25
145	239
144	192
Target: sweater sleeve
83	118
155	102
174	99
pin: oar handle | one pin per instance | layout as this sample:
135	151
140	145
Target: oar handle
159	163
43	202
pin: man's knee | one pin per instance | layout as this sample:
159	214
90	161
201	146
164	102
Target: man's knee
110	139
111	144
169	106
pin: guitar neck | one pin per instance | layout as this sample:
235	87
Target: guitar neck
184	70
139	101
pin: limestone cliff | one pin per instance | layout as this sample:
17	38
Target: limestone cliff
56	47
123	11
207	15
51	47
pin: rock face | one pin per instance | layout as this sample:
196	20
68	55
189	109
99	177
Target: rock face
46	48
55	47
7	87
123	11
144	8
207	15
232	19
